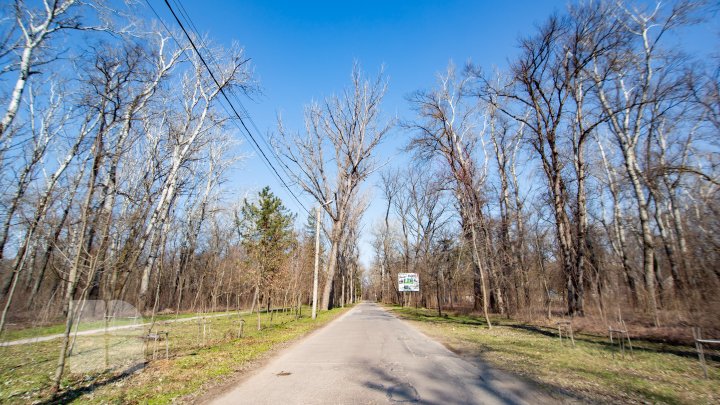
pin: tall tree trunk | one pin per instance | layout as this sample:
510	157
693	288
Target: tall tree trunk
479	274
648	244
80	256
331	267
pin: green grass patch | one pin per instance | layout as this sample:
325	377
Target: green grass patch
110	368
593	370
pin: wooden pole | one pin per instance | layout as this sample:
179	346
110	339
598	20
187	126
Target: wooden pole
317	263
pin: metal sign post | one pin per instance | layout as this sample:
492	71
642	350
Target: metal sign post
408	282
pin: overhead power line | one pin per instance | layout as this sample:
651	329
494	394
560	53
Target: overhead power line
247	133
186	16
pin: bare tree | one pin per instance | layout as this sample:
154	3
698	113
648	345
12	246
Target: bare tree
348	254
445	129
197	119
348	128
630	88
428	215
390	187
618	230
548	94
505	141
48	126
36	26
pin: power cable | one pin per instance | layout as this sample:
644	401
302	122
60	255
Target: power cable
232	106
186	16
227	99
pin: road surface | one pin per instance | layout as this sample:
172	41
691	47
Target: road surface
369	356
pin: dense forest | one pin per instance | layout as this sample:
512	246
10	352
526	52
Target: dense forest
579	181
116	145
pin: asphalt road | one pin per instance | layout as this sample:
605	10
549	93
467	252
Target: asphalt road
369	356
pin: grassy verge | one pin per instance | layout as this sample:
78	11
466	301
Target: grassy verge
111	369
592	371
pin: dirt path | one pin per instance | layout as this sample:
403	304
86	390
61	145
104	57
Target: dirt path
46	338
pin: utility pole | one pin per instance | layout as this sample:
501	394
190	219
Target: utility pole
317	258
317	262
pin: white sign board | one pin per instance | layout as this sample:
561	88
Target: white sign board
408	282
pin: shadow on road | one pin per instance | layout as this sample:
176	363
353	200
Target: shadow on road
492	383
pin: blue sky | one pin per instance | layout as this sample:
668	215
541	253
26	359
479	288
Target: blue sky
304	50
